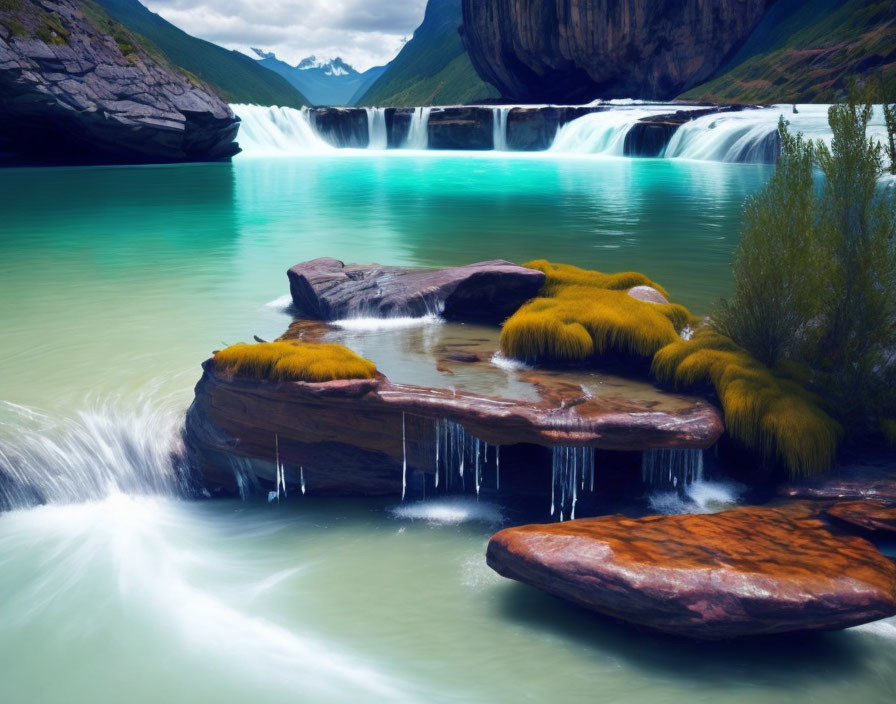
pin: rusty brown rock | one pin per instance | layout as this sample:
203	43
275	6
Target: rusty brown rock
748	571
870	516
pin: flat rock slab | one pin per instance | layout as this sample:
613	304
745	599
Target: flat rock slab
871	480
328	289
748	571
870	516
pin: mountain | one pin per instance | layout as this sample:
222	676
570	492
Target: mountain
805	50
323	82
236	77
433	67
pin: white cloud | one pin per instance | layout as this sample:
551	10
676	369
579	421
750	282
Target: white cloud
363	32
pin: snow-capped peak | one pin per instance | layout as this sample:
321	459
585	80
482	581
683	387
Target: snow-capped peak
332	67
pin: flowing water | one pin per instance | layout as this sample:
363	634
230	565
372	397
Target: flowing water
115	283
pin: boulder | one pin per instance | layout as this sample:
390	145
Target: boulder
556	51
341	127
869	516
748	571
73	93
328	289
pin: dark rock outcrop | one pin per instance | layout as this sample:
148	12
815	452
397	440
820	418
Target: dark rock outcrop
327	289
534	129
352	437
342	127
73	93
461	128
856	482
557	51
748	571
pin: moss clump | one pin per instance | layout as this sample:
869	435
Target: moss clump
888	428
294	361
582	314
774	416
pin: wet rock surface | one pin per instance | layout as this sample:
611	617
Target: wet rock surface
853	482
748	571
328	289
74	94
869	516
561	52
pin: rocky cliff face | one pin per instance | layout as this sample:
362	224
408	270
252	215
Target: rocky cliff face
77	87
579	50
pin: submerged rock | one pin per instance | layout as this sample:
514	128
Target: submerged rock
748	571
328	289
80	89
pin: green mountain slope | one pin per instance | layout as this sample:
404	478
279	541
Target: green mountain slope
235	76
433	67
805	50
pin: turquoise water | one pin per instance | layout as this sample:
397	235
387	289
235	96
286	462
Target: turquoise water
115	283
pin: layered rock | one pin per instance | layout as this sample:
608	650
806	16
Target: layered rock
868	516
327	289
461	128
557	51
856	482
341	127
355	437
73	93
748	571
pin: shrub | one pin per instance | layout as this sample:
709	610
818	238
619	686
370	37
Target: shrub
294	361
774	416
585	314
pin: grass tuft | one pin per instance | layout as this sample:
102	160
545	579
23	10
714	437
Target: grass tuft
294	361
582	314
888	427
772	415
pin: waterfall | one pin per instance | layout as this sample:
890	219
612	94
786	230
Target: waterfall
572	472
499	128
455	451
88	457
671	468
600	132
418	133
273	131
750	136
376	128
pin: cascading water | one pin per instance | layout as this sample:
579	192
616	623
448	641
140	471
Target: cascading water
601	132
274	131
671	468
455	451
499	127
89	457
572	472
376	128
744	137
418	132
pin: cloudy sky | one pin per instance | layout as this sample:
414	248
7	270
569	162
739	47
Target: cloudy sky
363	32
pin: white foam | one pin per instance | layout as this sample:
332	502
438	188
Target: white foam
507	363
375	324
699	497
450	511
281	303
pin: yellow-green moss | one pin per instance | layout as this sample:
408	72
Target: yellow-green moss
294	361
581	313
774	416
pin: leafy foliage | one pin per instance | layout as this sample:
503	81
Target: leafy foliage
294	361
815	273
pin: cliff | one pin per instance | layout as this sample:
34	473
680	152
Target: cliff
562	51
78	87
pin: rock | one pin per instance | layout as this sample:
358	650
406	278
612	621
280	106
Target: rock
869	516
342	127
748	571
327	289
648	294
72	96
534	129
560	52
856	482
461	128
351	437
